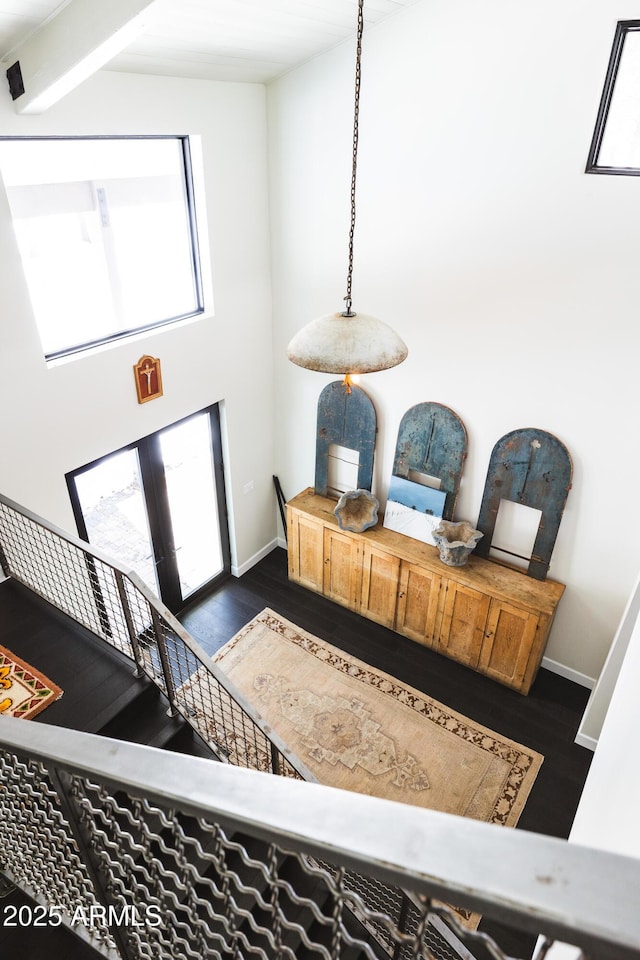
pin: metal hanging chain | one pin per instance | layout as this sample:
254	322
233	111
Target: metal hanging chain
354	163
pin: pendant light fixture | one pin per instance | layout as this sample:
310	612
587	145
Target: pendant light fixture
348	342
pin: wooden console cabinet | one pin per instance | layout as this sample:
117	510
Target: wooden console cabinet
492	618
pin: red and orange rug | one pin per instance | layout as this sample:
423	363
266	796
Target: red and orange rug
24	691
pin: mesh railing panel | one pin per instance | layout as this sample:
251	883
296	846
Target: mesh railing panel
70	578
221	893
38	851
188	886
400	912
200	693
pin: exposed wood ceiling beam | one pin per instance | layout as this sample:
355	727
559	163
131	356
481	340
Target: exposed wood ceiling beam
72	45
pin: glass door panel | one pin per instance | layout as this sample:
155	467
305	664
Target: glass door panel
115	514
186	451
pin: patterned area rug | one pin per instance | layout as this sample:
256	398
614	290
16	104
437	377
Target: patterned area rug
24	691
363	730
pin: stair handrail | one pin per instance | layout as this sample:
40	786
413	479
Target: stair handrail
539	884
161	628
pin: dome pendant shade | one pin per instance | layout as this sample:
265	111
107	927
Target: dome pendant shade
356	343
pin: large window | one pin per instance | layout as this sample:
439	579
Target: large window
615	147
107	234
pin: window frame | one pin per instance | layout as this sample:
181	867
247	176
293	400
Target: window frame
191	212
623	28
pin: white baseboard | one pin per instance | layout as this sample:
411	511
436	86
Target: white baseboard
581	678
256	558
281	542
583	741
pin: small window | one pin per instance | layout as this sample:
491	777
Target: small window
107	235
615	147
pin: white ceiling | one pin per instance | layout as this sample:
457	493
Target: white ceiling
243	40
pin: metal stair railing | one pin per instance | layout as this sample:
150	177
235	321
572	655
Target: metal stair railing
150	857
117	607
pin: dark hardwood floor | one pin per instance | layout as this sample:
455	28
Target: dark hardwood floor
546	720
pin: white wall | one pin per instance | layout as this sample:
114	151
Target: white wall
59	417
510	273
611	721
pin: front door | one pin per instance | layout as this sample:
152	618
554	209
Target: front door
157	507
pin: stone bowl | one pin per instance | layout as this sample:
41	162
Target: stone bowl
357	510
455	541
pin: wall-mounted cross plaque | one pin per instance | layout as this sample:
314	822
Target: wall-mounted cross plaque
148	378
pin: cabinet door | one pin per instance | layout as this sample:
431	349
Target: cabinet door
380	573
418	594
509	641
342	571
306	552
463	623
